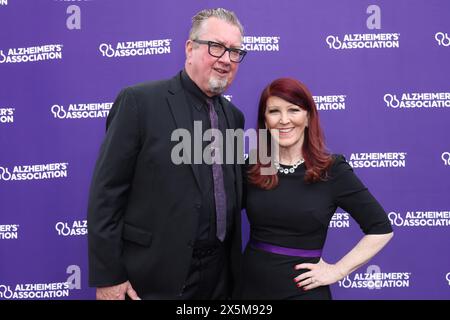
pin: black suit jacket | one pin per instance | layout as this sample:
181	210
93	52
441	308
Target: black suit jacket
143	209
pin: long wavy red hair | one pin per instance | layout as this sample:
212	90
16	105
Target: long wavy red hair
317	158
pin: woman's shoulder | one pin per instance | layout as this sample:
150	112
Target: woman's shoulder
339	165
338	158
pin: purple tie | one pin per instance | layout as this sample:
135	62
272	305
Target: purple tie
219	190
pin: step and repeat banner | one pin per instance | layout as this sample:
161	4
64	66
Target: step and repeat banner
379	71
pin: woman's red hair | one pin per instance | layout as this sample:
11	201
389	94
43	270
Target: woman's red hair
317	159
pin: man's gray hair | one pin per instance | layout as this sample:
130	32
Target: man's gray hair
219	13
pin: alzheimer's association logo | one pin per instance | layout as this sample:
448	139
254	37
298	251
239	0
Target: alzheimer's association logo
52	290
340	220
445	156
135	48
422	218
74	228
261	43
373	278
418	100
442	39
364	41
378	160
7	115
396	219
34	172
9	231
330	102
32	54
82	110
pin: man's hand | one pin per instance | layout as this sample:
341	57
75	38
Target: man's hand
117	292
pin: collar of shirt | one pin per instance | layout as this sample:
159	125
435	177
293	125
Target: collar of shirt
199	98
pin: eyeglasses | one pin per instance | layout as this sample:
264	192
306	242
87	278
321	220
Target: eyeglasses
217	50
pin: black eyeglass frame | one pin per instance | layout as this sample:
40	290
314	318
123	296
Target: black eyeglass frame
241	52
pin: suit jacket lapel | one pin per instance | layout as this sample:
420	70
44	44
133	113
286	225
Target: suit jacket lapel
228	113
231	121
183	119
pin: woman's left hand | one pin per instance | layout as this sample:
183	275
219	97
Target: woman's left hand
319	274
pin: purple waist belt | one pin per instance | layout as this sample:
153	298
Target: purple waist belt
285	251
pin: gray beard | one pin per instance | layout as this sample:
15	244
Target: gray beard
217	86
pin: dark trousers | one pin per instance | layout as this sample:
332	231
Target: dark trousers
208	277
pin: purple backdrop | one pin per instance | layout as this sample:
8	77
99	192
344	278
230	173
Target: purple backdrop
379	71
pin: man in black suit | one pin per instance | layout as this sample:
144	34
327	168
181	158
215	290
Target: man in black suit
157	229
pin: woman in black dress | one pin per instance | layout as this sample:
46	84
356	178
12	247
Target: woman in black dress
289	211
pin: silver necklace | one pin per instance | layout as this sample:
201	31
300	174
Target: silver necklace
286	170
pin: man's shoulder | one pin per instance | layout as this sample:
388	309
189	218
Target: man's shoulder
150	87
153	88
233	108
227	103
